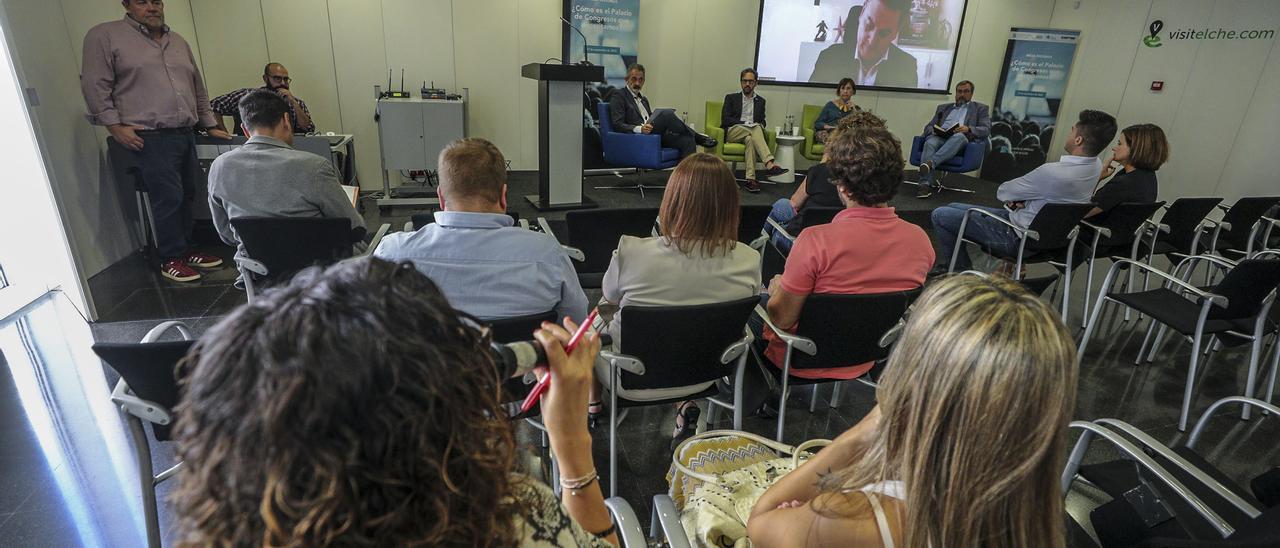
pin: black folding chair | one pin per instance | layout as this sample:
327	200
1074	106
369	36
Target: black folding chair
1241	225
774	259
1115	235
1051	238
1217	509
750	222
509	330
677	346
279	247
148	391
1244	296
595	234
835	331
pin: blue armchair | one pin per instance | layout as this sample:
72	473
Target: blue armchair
970	160
633	149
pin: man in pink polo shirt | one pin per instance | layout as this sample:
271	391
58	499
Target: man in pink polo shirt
867	248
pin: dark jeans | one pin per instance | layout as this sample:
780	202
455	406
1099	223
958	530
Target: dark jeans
170	173
675	133
995	235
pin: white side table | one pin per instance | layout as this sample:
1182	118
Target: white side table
786	158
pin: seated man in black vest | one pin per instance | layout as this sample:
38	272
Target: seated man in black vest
629	112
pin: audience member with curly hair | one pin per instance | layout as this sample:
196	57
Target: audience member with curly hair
866	248
816	190
355	407
966	446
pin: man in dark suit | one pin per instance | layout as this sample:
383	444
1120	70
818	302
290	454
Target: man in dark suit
742	119
962	122
629	112
873	59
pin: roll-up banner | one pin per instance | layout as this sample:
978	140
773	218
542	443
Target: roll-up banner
612	32
1033	81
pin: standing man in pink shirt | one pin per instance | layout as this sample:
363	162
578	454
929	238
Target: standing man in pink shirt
866	248
141	81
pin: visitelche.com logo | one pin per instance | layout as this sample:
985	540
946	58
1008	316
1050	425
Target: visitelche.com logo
1153	40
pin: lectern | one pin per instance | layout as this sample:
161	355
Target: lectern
560	133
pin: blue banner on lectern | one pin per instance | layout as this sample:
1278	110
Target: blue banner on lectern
1037	64
612	30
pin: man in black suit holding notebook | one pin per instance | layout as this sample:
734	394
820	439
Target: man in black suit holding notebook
629	112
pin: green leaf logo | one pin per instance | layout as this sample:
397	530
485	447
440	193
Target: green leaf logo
1153	41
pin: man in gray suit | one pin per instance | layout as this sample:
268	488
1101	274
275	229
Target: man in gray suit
267	177
953	126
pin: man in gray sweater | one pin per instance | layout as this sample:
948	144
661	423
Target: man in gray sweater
267	177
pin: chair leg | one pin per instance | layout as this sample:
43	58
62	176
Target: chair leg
1191	382
613	434
1155	343
835	394
1255	353
1146	340
1088	328
737	394
782	407
813	400
146	481
1088	290
1275	365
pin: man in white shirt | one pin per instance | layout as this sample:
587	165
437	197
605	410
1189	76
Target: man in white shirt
742	119
1069	180
629	112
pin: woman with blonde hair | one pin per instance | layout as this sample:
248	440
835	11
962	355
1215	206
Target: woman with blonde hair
697	260
966	445
1141	150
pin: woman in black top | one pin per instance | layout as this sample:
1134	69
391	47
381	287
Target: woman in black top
1141	151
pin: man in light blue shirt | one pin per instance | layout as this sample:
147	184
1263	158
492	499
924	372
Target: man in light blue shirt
1069	180
971	121
485	266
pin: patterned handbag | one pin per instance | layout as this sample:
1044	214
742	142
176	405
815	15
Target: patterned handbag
717	476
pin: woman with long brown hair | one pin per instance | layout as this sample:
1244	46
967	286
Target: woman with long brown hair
697	260
355	407
968	441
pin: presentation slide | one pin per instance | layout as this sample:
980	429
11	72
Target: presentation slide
881	44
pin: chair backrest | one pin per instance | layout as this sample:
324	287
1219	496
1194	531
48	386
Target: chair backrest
814	216
1245	287
520	328
751	222
1182	218
286	245
847	328
606	125
148	369
1054	222
1242	216
596	232
1124	220
809	115
711	117
682	345
420	220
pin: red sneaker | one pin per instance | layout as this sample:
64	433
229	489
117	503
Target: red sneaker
178	271
201	260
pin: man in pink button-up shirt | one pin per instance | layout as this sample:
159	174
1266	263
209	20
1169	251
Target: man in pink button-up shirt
141	81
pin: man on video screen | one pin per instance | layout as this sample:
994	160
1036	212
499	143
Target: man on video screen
872	59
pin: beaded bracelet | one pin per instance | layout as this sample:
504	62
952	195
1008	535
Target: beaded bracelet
575	484
613	528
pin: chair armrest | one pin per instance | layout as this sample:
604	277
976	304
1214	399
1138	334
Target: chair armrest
157	331
252	265
1225	208
408	226
803	344
667	517
630	364
1205	295
1204	418
778	227
1152	445
629	530
1215	259
574	253
524	223
717	133
1274	253
1016	229
1158	226
377	239
138	407
738	348
1133	452
1103	231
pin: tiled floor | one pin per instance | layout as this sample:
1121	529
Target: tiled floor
67	477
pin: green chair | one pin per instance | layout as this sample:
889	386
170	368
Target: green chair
731	152
811	149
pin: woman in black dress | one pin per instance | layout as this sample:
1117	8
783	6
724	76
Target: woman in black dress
1141	151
